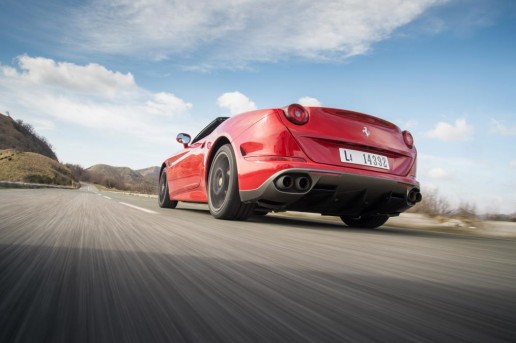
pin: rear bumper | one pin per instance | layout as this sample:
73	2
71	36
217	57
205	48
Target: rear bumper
334	193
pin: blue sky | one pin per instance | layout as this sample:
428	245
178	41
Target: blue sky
114	82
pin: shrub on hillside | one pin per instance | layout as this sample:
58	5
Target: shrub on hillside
78	172
42	146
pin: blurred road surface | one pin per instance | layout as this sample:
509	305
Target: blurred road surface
85	266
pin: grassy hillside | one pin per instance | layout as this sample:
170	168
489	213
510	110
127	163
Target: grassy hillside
21	136
32	167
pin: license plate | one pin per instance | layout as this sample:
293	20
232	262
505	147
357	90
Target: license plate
364	158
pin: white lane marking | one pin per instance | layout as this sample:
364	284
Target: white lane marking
139	208
107	197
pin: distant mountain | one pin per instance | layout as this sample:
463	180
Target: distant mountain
150	173
123	174
31	167
16	134
123	178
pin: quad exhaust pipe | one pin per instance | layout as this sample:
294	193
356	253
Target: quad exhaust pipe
293	183
285	182
414	196
302	184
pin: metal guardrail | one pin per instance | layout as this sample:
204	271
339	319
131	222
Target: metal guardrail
13	184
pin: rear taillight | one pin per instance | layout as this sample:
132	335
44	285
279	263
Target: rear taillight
409	140
296	114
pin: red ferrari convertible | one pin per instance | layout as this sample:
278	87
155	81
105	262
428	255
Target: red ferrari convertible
308	159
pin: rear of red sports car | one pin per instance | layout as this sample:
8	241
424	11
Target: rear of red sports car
328	161
313	159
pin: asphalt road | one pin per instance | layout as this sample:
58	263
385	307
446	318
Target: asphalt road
84	266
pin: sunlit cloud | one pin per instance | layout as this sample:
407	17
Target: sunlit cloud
236	102
167	104
439	173
241	31
460	131
309	101
86	95
92	78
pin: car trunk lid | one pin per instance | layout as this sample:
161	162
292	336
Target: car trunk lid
329	132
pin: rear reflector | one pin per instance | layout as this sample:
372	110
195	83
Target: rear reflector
409	140
296	114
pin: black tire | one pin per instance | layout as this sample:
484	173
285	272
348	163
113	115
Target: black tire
365	222
164	196
223	195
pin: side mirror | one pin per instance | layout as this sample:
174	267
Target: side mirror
184	139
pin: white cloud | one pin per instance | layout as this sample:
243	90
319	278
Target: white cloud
236	102
167	104
439	173
309	101
513	163
90	96
92	78
501	128
461	131
241	31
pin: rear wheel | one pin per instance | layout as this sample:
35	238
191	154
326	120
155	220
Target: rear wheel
365	222
164	196
223	196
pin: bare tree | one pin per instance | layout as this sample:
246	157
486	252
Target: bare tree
433	205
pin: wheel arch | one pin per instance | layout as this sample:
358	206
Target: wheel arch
163	166
223	140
